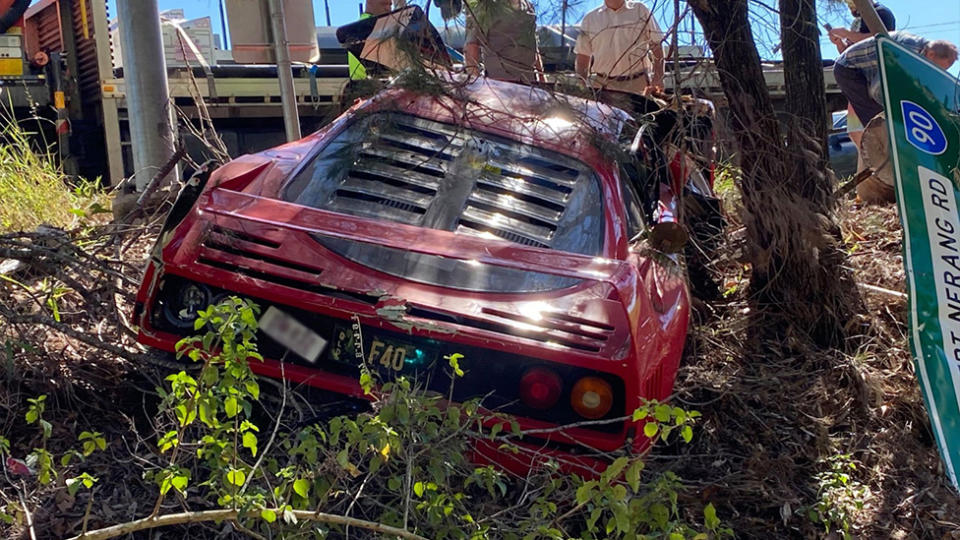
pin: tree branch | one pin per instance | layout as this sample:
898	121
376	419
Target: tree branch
232	515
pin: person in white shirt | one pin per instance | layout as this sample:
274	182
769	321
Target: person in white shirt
619	48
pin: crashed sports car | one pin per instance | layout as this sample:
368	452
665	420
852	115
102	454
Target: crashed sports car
500	222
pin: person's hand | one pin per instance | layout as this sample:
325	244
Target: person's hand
653	90
837	34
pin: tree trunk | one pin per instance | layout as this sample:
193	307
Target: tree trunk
806	98
798	288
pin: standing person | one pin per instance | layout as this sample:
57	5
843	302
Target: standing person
619	48
374	8
859	31
502	35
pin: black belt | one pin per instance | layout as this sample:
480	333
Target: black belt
621	78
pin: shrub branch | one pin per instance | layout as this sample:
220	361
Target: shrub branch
232	515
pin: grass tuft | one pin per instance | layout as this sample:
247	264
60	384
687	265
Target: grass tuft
34	190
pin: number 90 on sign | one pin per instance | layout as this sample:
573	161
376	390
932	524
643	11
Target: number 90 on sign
922	129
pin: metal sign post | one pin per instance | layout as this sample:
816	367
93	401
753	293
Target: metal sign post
922	105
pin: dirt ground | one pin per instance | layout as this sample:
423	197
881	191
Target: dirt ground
773	424
762	453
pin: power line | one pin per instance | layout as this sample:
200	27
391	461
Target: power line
951	23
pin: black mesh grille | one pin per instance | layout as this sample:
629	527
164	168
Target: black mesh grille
419	172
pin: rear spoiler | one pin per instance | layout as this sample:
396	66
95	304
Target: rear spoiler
254	208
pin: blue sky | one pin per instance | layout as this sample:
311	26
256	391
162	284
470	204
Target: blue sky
935	19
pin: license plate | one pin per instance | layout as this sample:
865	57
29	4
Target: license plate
292	334
381	352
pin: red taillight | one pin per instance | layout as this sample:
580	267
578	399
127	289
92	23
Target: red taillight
540	388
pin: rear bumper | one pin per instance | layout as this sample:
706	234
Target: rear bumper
519	457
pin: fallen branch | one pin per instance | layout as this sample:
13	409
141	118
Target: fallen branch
83	337
232	515
856	181
874	288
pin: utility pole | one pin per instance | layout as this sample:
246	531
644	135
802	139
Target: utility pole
148	101
326	7
288	96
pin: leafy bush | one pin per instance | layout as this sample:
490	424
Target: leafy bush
401	469
841	497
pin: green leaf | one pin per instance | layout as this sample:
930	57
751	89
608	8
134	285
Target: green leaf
418	489
710	519
584	493
236	477
253	389
651	429
615	468
268	515
640	414
454	360
301	487
230	406
394	483
662	413
633	475
73	486
687	433
179	482
250	441
366	382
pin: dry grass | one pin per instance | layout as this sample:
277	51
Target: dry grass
33	189
771	423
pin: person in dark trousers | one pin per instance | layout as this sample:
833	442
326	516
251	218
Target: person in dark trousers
859	31
857	70
843	38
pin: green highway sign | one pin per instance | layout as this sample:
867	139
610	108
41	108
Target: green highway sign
922	104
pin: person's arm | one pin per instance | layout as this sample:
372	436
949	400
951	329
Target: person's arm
471	58
583	66
471	48
658	66
849	36
584	51
838	42
656	38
